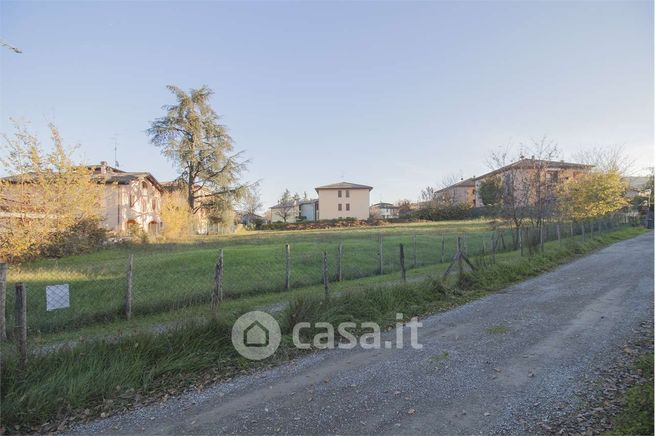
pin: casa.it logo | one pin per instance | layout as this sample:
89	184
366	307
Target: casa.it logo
256	335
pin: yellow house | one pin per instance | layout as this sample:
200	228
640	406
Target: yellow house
343	200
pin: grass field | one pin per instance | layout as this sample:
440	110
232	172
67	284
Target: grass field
77	383
172	276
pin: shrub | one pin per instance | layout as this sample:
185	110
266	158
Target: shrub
82	237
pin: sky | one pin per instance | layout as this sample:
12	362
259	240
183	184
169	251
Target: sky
396	95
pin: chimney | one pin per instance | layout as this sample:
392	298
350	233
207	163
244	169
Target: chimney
103	167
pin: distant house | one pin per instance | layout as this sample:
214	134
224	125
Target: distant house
462	192
308	209
343	200
520	174
637	186
130	199
384	210
285	212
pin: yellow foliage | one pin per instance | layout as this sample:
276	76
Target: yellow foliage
592	195
176	215
46	194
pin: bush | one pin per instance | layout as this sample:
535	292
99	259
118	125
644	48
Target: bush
84	236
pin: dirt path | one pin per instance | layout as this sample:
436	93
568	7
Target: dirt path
557	328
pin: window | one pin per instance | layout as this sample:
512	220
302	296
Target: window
132	200
154	204
339	204
347	193
347	205
144	185
339	195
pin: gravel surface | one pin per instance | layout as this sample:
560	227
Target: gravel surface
501	364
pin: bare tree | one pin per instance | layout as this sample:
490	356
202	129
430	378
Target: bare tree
251	202
429	195
287	206
606	159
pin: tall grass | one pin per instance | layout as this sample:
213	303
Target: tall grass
102	376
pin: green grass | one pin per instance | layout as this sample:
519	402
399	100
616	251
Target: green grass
498	330
103	376
173	276
636	417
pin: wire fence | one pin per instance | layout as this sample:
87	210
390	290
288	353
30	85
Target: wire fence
66	294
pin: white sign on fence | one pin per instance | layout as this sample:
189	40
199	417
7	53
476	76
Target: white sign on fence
57	297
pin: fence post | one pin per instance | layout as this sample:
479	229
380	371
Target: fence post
3	301
402	263
571	225
217	293
443	247
494	242
414	251
128	292
583	230
459	257
380	256
325	275
21	322
339	257
521	240
541	237
287	267
559	236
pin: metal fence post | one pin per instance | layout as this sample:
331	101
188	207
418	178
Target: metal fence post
128	291
414	252
217	292
380	256
287	267
20	331
325	275
402	263
339	260
3	301
443	247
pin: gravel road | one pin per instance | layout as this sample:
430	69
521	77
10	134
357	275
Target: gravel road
550	333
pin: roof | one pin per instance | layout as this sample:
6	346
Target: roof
385	206
284	205
344	185
530	163
308	201
112	175
468	183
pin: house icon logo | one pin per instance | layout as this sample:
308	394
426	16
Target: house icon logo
256	335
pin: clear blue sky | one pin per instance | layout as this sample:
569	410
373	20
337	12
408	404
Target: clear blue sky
395	95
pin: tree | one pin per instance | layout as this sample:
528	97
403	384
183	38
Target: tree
251	202
491	192
45	198
592	195
429	195
287	205
191	136
176	215
404	207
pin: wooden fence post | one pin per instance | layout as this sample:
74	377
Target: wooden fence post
571	225
287	267
217	292
459	258
339	259
3	301
325	275
494	242
520	236
402	263
583	230
21	322
414	251
380	256
128	291
443	247
541	237
559	236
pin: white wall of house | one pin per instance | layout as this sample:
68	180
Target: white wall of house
308	210
354	203
277	215
137	203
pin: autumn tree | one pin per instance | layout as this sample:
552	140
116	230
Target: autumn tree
592	195
46	197
176	215
191	136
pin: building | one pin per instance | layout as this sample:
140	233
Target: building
462	192
384	211
285	212
520	176
343	200
308	209
129	199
